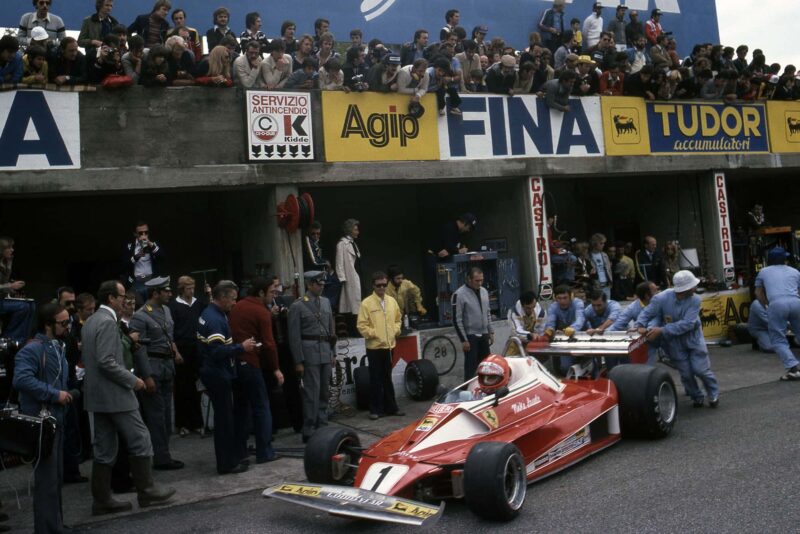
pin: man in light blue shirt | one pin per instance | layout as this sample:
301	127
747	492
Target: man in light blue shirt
565	315
777	290
626	320
758	327
678	309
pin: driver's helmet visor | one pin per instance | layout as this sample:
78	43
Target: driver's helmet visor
490	373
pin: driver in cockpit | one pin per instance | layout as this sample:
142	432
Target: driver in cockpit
493	374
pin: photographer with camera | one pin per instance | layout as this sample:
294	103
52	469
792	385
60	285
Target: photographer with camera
355	70
105	60
141	260
40	377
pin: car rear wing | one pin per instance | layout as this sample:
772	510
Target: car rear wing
612	344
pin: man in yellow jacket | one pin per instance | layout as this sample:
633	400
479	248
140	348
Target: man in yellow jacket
379	321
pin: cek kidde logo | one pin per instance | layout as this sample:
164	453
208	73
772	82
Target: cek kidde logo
380	128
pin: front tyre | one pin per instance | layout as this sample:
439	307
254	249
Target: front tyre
495	481
326	443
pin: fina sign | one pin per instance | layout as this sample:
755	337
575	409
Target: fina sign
40	131
279	126
495	126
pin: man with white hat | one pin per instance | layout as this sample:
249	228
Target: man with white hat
681	336
41	18
777	290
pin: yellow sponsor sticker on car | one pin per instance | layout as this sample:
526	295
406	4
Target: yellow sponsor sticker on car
413	509
427	424
297	489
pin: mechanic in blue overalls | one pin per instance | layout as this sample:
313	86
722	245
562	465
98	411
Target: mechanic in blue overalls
565	314
777	290
600	315
645	291
758	327
678	308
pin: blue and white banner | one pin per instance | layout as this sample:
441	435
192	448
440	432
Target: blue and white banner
394	21
496	126
39	130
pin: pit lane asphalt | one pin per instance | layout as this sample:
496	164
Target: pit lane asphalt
733	469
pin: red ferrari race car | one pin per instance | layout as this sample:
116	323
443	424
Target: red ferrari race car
486	449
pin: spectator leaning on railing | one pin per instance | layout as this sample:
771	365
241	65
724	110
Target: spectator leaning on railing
69	67
247	66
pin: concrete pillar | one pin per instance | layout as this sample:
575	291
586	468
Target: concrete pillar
715	213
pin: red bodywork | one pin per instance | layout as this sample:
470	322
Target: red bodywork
553	423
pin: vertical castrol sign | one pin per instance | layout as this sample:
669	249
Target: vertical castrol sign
723	216
541	244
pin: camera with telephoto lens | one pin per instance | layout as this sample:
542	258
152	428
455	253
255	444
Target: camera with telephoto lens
358	83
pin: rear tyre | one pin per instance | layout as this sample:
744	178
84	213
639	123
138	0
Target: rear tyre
320	449
495	481
421	380
361	379
648	402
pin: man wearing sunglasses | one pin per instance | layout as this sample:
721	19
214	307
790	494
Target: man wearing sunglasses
379	321
142	260
41	18
40	377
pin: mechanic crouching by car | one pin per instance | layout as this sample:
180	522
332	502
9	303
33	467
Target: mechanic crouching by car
678	309
565	315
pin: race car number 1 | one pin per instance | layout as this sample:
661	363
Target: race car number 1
382	477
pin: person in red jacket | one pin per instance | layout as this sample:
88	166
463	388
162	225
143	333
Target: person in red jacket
612	81
250	319
652	28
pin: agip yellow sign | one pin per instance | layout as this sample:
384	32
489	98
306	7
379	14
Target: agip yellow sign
377	127
784	126
625	126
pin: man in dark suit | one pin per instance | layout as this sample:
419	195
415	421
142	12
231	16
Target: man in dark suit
109	396
650	266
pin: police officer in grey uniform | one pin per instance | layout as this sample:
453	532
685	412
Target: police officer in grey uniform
312	340
155	326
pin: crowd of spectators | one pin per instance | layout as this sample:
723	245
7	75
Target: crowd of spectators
564	58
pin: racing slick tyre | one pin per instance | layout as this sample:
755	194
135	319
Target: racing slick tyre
361	379
324	444
495	480
648	403
421	380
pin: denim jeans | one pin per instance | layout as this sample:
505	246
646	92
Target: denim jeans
251	405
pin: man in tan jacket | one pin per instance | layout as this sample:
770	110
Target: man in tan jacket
379	322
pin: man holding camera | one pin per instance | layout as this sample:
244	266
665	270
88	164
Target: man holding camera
156	329
142	259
